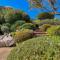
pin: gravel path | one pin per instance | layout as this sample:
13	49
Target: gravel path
4	52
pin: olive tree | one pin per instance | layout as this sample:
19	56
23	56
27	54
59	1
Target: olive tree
51	6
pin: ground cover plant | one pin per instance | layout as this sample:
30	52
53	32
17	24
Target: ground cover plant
22	35
54	30
39	48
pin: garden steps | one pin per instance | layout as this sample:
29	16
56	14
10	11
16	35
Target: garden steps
40	33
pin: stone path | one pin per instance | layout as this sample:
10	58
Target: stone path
4	52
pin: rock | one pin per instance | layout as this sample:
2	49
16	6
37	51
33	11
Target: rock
6	40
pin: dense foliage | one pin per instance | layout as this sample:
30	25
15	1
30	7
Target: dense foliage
57	32
50	21
53	30
27	26
36	49
5	29
2	20
45	15
13	16
44	27
17	25
22	35
26	17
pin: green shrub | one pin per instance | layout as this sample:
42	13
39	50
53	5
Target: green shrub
13	28
52	30
1	33
16	25
36	21
11	17
19	23
26	17
2	20
5	29
23	35
50	21
27	26
36	49
7	24
45	15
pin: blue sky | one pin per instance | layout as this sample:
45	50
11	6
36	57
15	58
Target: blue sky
22	5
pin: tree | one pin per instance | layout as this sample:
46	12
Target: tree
12	17
15	15
51	6
45	15
26	17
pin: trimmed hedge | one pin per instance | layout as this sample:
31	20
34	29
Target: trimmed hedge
22	35
36	49
53	30
50	21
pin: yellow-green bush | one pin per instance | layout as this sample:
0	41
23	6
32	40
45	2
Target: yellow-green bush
53	29
22	35
50	21
44	27
57	31
40	48
36	21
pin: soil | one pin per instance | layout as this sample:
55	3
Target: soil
4	52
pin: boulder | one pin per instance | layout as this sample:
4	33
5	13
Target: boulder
6	40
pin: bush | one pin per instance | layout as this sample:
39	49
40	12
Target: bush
11	17
26	17
52	30
36	21
2	20
13	28
19	23
50	21
23	35
45	15
16	25
36	49
44	27
1	33
57	31
7	24
5	29
27	26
